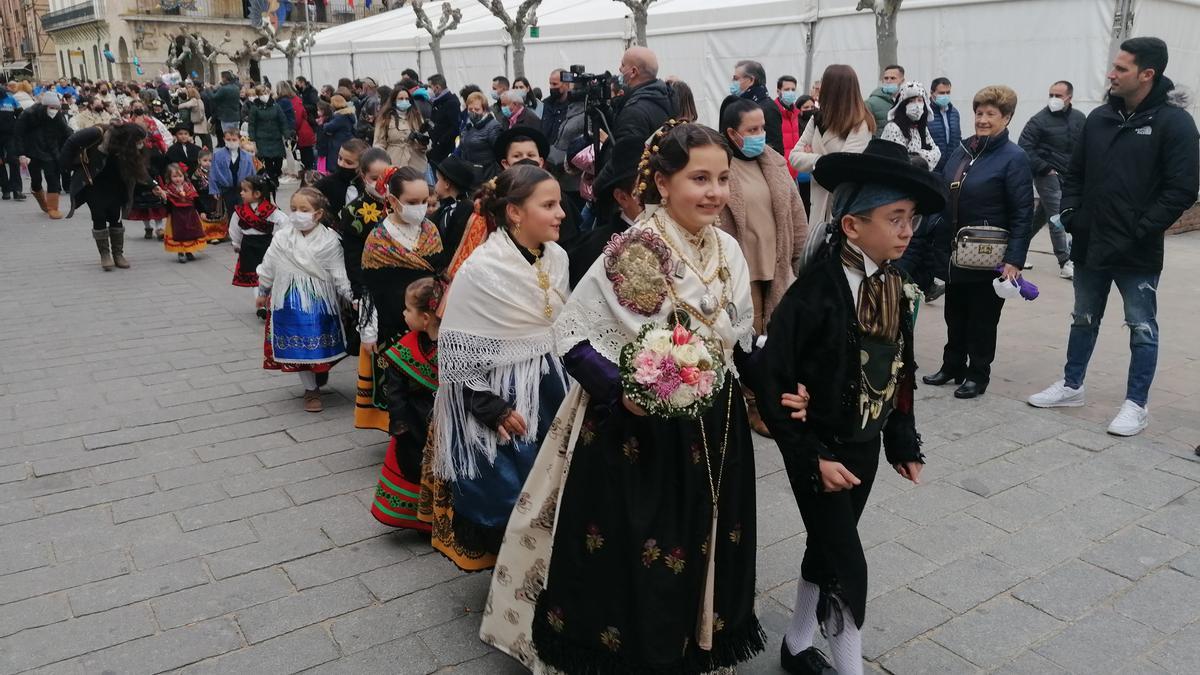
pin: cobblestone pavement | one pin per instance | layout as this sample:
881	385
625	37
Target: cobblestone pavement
166	504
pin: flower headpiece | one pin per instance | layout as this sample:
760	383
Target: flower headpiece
651	149
381	183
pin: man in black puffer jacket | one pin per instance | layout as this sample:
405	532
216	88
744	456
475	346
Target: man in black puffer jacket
40	134
1049	139
645	107
1135	171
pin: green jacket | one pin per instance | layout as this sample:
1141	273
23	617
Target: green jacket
227	103
267	128
879	104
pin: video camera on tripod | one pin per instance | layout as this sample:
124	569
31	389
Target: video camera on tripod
587	86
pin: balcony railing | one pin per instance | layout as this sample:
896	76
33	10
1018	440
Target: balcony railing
73	15
326	12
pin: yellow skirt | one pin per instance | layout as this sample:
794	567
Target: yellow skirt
435	508
173	245
366	414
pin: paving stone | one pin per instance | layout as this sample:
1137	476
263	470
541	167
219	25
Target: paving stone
405	656
496	663
99	494
975	449
220	597
218	419
995	631
1088	440
923	657
267	479
930	502
69	430
876	526
298	452
356	458
968	582
1031	663
157	653
1102	641
1188	564
130	434
1152	489
14	512
1071	590
409	576
34	612
276	548
1015	508
145	464
181	546
243	446
344	519
135	587
333	484
343	562
1165	600
231	509
1179	653
166	502
207	472
34	582
412	613
115	538
310	606
898	617
889	566
455	642
1075	482
48	644
83	460
951	538
1133	552
47	485
1180	519
1098	516
1026	429
283	655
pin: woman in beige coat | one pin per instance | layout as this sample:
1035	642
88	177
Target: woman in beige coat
396	127
764	213
842	124
193	107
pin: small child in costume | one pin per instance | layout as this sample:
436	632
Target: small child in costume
250	229
411	382
302	285
212	210
184	233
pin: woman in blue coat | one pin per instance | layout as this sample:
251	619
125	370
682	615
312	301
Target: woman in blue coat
337	130
995	188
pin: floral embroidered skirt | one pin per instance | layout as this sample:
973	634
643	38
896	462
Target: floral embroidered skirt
299	337
627	572
370	410
436	509
396	496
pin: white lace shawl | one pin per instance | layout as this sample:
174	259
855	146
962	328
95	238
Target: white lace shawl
494	337
312	265
595	313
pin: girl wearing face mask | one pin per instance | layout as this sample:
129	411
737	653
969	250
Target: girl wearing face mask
402	247
267	127
908	124
397	128
302	284
764	213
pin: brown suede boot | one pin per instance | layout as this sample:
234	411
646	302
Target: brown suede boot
756	422
40	198
116	235
106	259
52	206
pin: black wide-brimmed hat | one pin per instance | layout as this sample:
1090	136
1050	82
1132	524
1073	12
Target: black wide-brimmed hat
883	163
505	139
459	172
623	165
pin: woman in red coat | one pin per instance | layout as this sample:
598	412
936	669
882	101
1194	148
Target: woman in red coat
306	138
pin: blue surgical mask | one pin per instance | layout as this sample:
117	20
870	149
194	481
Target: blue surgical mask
403	105
889	89
495	96
753	146
789	97
735	89
506	111
941	100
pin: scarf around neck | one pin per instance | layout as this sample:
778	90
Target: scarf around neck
256	218
878	298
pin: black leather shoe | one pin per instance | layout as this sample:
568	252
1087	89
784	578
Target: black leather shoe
811	661
970	389
942	377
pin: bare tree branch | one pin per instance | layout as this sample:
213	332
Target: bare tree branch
449	21
641	15
516	27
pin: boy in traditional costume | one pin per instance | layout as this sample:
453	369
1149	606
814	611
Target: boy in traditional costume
845	331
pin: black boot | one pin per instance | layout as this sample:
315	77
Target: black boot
970	389
943	376
811	661
7	195
19	196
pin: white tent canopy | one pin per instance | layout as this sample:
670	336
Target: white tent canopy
1026	44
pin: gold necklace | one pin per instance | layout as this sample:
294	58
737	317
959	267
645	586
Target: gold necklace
543	281
704	623
684	257
709	305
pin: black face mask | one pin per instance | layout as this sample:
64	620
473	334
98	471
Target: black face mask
343	172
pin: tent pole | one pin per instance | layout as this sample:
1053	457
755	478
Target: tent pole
809	49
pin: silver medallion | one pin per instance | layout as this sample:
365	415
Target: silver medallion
731	310
680	269
708	304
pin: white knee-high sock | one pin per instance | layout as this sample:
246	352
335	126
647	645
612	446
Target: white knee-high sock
847	647
800	634
309	379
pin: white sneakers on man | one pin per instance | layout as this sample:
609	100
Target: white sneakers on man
1131	420
1058	395
1067	271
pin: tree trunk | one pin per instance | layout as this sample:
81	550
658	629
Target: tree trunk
640	18
435	46
518	44
291	61
885	36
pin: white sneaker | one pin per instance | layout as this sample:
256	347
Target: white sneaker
1067	271
1058	395
1130	421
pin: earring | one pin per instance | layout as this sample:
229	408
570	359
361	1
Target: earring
663	202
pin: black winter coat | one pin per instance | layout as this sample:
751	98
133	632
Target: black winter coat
444	115
1049	139
997	190
82	155
1130	180
638	114
774	120
39	137
813	340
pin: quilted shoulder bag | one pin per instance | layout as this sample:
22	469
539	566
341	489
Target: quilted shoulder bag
976	247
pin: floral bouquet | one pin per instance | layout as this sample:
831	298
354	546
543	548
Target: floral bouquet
671	372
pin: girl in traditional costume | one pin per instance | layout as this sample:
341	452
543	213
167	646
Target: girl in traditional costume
302	281
212	209
402	247
501	379
412	380
632	546
185	233
250	229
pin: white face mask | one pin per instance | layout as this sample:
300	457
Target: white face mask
1056	104
413	214
263	98
914	111
51	112
303	221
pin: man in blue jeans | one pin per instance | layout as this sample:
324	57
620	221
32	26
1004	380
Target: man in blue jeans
1133	173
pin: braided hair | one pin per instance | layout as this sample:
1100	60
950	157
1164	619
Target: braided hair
513	186
667	152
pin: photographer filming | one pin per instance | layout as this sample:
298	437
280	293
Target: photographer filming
646	105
